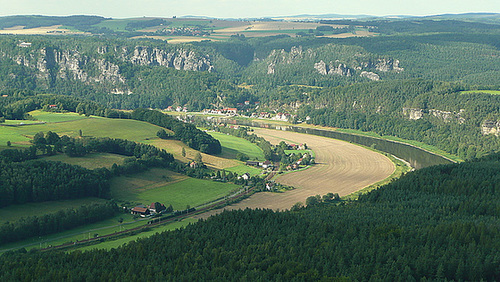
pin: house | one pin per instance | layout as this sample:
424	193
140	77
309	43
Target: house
267	164
25	44
156	207
53	106
245	176
230	110
269	186
141	210
193	165
252	163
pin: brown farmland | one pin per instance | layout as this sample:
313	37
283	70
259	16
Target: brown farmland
341	167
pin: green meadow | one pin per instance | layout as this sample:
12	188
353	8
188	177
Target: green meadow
241	169
154	185
491	92
232	145
105	227
15	212
187	192
107	245
91	161
39	115
70	124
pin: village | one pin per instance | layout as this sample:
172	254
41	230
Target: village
242	109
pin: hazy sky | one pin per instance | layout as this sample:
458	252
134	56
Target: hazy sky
242	8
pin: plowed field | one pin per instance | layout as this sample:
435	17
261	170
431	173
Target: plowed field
341	167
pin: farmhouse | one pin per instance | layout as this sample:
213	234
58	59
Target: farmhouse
245	176
156	207
267	164
141	210
253	163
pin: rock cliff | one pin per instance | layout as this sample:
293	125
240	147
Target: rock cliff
338	69
57	63
490	127
415	114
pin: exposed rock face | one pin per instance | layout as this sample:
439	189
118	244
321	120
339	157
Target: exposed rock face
370	75
270	68
491	127
181	59
386	65
109	72
54	63
446	116
340	69
321	67
413	114
367	67
295	55
71	63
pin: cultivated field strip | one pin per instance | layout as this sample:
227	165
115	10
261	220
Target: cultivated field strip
341	168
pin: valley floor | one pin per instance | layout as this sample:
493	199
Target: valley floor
341	167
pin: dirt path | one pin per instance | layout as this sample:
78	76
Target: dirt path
341	167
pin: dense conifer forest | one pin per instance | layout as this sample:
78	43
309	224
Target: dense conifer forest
438	223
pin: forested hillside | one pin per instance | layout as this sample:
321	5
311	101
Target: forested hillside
438	223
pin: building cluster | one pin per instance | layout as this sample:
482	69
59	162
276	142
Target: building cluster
282	117
144	211
176	109
183	31
266	164
226	111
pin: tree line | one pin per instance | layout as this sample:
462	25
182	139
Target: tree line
18	108
438	223
25	179
32	226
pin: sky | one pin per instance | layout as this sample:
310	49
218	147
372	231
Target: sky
243	8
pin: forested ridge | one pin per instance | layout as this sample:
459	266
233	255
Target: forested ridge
438	223
422	71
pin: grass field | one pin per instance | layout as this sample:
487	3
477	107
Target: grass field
107	245
179	194
241	169
14	212
91	161
232	145
108	226
175	147
491	92
55	29
70	124
310	152
56	117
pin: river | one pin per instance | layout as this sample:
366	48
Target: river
416	157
